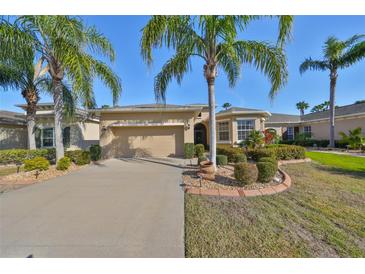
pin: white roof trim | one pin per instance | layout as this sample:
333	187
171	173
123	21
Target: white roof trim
118	110
244	112
146	124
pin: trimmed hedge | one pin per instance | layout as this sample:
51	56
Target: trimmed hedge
279	152
79	157
199	150
189	150
267	171
95	152
222	160
63	163
37	163
245	173
229	152
312	142
270	160
18	156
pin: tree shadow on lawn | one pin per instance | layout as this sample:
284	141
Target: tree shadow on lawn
341	171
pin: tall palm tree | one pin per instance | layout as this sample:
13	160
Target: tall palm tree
338	55
301	106
30	79
214	40
226	106
67	45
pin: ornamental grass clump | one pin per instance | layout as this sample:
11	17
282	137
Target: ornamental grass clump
245	173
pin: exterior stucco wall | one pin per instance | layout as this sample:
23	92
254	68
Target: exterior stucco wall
177	135
82	134
320	130
12	136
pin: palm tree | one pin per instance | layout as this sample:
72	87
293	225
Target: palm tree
301	106
337	55
66	45
354	138
214	40
30	79
226	106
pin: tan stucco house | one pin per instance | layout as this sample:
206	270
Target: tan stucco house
79	133
162	130
316	124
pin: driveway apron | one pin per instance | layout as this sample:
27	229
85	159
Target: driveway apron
120	208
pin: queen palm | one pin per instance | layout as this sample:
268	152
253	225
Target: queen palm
301	106
67	45
338	55
214	40
30	80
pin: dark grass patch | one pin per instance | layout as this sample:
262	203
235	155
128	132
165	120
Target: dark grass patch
321	215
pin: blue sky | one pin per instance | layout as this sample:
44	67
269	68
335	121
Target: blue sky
252	89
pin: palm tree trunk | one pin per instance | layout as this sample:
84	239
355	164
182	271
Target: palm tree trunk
31	112
212	121
301	112
32	98
332	107
58	113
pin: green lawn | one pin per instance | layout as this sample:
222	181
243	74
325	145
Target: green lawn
321	215
346	162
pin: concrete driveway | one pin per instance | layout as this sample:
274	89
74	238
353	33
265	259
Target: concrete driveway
121	208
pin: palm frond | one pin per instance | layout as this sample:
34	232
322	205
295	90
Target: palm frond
173	68
310	64
352	55
268	59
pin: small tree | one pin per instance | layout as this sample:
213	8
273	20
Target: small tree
301	106
226	106
355	139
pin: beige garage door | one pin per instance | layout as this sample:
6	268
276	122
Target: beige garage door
149	141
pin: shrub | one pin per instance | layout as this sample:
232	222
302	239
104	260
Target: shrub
79	157
254	140
63	163
239	158
37	163
222	160
18	156
95	152
229	152
270	160
199	150
201	159
189	150
267	171
256	154
279	152
245	173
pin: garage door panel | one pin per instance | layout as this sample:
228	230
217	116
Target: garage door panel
149	141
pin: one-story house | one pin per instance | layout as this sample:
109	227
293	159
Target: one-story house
78	133
162	130
316	125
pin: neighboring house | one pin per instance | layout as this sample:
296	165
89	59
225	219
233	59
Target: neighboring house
162	130
316	124
13	130
78	133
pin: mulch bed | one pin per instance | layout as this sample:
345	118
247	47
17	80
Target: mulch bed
27	178
224	179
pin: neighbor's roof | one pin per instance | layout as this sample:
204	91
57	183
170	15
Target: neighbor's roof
239	110
12	118
283	118
348	110
150	108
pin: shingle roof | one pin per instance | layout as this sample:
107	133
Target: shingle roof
11	118
339	111
232	109
283	118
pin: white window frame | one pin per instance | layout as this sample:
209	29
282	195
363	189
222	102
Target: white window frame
287	134
244	130
53	137
306	131
228	130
